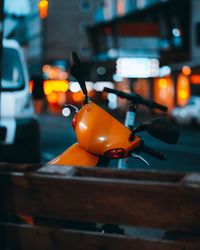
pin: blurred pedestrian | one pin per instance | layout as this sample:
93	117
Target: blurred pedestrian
38	92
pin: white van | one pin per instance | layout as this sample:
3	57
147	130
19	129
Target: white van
188	114
19	128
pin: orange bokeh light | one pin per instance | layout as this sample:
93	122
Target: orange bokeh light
52	98
183	90
78	97
43	8
164	92
31	85
186	70
195	79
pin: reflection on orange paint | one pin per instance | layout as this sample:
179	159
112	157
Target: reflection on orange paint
186	70
195	79
183	90
51	86
164	92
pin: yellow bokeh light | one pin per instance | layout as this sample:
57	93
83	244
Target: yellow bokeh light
47	90
56	86
162	83
43	8
64	87
183	94
183	90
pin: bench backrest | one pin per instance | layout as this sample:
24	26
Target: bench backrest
159	200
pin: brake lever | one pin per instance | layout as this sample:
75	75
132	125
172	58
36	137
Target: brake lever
139	157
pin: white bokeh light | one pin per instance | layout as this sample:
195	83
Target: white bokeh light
66	111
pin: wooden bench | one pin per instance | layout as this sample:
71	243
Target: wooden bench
157	210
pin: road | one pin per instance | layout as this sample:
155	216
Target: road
57	135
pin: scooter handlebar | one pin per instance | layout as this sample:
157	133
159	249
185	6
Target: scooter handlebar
137	99
153	152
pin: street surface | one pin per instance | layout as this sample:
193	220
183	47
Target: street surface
57	135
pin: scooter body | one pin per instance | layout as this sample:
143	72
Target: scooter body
102	137
98	135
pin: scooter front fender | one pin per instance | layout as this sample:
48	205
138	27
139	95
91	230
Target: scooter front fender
75	156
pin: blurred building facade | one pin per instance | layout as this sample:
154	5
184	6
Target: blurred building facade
65	28
22	23
56	36
168	31
103	31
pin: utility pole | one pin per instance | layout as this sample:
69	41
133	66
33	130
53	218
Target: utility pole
1	36
1	56
1	43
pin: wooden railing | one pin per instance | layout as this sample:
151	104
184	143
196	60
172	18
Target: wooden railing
56	199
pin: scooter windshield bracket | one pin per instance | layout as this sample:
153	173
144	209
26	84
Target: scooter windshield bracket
86	100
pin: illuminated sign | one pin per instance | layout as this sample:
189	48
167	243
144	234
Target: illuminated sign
137	67
195	79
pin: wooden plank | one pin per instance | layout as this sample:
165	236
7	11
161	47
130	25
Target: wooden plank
192	179
25	237
57	170
96	172
136	174
153	175
7	167
103	200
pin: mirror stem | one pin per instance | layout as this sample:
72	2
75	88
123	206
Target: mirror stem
86	100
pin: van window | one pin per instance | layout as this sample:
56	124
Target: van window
12	74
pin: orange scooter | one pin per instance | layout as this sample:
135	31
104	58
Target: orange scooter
101	137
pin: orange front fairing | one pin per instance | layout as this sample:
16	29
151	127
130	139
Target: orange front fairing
76	156
97	131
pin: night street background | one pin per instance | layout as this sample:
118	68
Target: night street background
138	59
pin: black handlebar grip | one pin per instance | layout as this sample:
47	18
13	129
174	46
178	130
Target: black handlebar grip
135	98
153	152
156	105
116	92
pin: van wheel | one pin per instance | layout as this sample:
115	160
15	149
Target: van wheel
194	122
30	153
27	144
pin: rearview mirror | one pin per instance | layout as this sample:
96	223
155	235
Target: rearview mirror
76	71
161	129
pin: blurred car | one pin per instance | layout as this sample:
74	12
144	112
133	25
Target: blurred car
19	128
188	114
